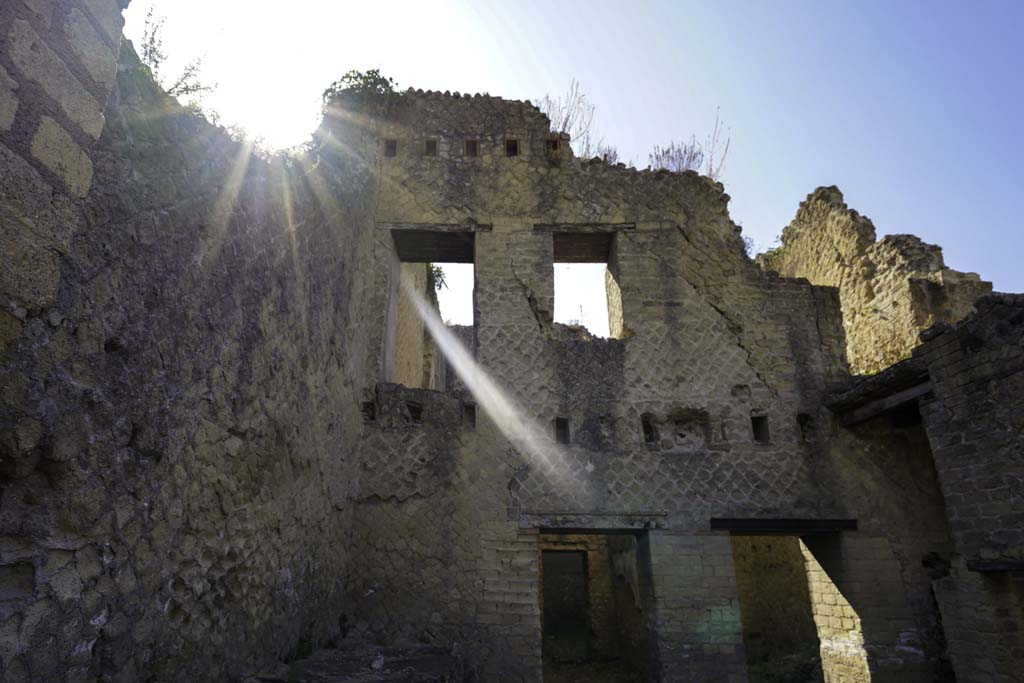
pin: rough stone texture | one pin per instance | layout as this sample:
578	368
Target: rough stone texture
982	617
368	664
975	426
207	465
58	152
37	62
175	453
50	117
890	290
779	631
8	100
94	54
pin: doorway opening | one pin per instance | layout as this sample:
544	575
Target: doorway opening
593	607
780	635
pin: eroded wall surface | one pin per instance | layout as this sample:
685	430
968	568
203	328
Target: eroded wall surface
891	289
179	383
206	465
975	427
708	341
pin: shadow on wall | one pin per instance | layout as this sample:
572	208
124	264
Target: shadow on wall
825	608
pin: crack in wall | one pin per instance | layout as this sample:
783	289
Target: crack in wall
731	325
531	298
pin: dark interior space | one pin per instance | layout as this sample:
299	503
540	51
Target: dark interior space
593	617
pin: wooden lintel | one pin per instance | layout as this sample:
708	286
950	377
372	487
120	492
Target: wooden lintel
1005	565
437	227
883	405
757	525
583	227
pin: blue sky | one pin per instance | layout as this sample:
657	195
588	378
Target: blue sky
913	109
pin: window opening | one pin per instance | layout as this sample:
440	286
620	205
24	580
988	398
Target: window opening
390	148
431	148
586	282
469	415
369	411
472	148
551	145
436	267
759	425
649	429
806	424
415	411
562	434
511	148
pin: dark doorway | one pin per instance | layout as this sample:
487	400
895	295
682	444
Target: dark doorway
593	616
566	605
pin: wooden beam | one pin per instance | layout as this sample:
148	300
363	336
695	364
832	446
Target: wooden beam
584	247
985	566
756	525
430	246
583	227
437	227
885	404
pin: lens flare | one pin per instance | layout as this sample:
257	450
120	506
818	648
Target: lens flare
526	436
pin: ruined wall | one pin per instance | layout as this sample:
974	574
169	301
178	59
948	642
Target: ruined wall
178	407
891	290
882	473
975	427
709	342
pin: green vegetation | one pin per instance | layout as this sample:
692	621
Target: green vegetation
364	85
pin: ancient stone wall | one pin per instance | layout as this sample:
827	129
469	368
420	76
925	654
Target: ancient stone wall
660	421
57	66
179	391
882	473
891	290
974	424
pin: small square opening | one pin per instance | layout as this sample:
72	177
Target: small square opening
806	424
562	434
551	145
431	148
649	429
759	425
469	415
415	411
369	411
390	148
511	148
472	148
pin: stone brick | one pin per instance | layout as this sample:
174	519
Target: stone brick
107	14
90	49
39	63
35	227
61	154
8	100
42	9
